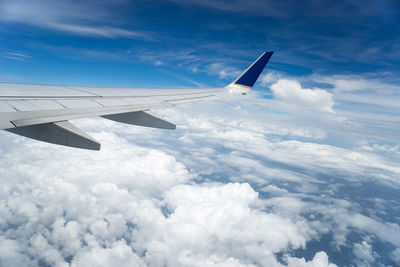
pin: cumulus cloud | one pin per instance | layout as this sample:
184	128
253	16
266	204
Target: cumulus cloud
88	218
395	255
320	259
363	253
11	254
291	93
227	220
92	212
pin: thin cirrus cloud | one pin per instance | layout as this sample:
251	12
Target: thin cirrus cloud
17	56
266	8
90	19
104	31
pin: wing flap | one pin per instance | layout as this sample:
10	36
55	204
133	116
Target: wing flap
5	107
78	103
60	133
141	118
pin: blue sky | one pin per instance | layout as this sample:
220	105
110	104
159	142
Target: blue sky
127	43
303	171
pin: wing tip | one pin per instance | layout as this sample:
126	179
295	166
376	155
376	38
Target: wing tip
249	77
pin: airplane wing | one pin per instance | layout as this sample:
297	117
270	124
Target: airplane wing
42	112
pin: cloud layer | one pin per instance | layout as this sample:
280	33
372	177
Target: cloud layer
132	206
225	189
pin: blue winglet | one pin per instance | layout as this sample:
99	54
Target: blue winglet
250	76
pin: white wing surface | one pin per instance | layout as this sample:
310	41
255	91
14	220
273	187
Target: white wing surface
42	112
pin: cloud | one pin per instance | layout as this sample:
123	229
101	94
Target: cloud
285	9
17	56
274	9
290	93
110	208
105	31
11	254
395	255
118	254
363	253
369	89
228	187
91	18
211	218
222	71
273	189
385	149
270	77
320	259
368	82
371	112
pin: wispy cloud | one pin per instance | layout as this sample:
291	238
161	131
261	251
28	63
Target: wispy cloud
266	7
287	8
102	31
88	18
222	70
17	56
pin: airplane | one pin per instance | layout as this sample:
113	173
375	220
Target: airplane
42	112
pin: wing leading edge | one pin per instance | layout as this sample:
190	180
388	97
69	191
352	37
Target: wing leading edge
43	112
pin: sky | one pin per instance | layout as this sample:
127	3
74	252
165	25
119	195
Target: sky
303	171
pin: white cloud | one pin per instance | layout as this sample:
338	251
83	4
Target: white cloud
291	93
347	83
320	260
104	31
109	206
118	254
367	90
386	149
395	255
363	253
273	189
88	19
11	254
223	72
17	56
362	106
238	6
226	220
270	77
